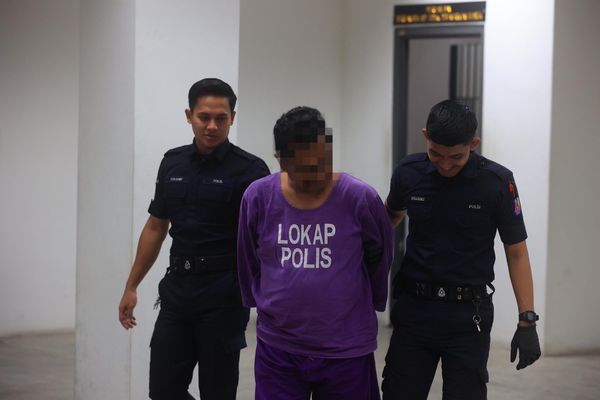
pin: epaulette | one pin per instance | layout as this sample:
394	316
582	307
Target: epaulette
411	169
417	162
243	153
177	150
499	170
413	158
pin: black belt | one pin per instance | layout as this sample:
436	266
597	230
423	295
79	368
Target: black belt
459	294
201	264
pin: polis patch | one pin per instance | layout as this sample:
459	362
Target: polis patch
512	188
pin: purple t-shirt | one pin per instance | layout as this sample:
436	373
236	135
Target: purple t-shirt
315	276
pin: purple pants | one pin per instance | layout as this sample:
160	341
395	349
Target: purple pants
283	376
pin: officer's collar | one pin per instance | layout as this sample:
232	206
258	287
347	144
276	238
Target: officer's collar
468	171
430	169
217	154
470	168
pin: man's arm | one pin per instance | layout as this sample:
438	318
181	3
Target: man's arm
525	339
248	263
149	245
378	248
521	278
395	216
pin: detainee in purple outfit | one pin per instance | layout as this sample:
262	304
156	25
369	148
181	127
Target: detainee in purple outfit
314	251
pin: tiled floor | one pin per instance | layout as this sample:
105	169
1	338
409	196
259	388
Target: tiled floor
37	367
41	367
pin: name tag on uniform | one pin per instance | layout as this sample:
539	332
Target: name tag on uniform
215	181
215	189
417	198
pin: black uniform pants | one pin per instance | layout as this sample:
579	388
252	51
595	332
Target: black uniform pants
427	331
188	335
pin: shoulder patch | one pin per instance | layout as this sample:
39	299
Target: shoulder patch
177	150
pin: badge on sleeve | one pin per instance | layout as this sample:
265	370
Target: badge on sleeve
517	207
515	195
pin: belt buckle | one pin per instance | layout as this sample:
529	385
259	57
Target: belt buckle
441	293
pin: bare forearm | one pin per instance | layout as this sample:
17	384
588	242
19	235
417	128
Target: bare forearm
148	249
519	269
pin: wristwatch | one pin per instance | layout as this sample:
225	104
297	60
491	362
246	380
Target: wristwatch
529	316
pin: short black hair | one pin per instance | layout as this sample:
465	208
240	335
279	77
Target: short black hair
211	87
451	123
298	125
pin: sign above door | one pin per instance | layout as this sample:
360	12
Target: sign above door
433	14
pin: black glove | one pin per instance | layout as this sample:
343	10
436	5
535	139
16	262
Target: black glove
526	340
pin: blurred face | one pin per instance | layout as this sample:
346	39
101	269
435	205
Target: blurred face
211	119
310	167
449	161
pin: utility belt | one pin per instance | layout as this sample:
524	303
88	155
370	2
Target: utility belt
459	294
201	264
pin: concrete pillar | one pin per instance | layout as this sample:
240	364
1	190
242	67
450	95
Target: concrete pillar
574	224
138	60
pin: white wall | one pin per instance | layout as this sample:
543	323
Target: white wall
38	164
368	50
574	226
517	91
290	55
516	115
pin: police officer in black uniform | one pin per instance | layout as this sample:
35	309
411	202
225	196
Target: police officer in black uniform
456	200
198	191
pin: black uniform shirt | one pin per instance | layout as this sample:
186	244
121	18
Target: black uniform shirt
201	195
453	221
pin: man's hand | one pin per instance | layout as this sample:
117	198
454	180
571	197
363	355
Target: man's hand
151	239
128	302
527	342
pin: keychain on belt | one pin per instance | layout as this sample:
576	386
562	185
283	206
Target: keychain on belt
476	316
